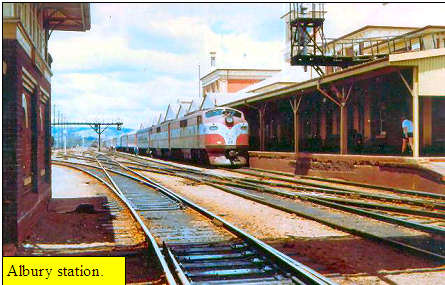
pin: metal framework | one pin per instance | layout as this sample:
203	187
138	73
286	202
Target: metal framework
96	126
309	46
306	34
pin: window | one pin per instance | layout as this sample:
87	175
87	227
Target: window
219	112
183	123
158	129
25	108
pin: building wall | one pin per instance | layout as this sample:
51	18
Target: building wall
26	148
235	85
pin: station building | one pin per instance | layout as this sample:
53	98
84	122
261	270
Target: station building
347	122
26	70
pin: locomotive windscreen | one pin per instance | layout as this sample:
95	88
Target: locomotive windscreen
218	112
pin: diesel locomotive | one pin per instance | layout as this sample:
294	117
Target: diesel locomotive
218	136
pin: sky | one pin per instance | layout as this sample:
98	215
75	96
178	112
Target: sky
139	57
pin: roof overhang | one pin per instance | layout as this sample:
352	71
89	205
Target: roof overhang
348	75
395	58
66	16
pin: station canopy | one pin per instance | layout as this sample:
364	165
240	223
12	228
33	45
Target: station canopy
66	16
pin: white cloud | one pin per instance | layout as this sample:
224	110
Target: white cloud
100	73
96	96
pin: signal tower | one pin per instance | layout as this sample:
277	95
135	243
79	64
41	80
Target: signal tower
308	45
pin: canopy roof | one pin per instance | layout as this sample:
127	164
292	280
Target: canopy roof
66	16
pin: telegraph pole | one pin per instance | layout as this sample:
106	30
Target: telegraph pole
58	129
96	126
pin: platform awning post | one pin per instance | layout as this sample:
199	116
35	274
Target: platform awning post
323	122
427	121
295	104
344	119
415	93
367	118
261	113
343	129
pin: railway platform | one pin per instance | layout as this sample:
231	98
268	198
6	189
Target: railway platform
423	173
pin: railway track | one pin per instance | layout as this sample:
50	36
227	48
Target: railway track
192	244
421	211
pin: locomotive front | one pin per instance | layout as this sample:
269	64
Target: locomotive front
226	136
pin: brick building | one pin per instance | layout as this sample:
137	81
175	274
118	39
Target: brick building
26	108
233	80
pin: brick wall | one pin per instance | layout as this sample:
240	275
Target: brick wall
24	147
9	143
234	85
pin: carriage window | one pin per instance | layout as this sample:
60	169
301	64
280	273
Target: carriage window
158	129
183	123
218	112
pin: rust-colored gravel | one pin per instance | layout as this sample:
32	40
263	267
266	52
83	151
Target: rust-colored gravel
346	259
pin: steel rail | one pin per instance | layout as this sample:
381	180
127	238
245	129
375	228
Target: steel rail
337	204
360	184
301	270
353	231
386	218
331	224
109	178
397	221
324	202
251	184
325	187
168	275
176	265
380	217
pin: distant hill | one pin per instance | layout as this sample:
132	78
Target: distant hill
87	131
84	135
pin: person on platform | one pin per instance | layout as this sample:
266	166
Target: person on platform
407	130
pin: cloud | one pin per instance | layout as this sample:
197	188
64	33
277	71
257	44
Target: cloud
138	58
100	97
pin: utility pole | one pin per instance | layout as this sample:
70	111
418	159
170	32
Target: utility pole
58	129
64	135
54	134
96	126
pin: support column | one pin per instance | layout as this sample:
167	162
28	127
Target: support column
415	112
427	121
343	129
367	118
261	113
323	123
296	131
295	104
334	122
340	102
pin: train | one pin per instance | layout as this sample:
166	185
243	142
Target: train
217	136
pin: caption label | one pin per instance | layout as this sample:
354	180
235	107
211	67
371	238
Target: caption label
64	270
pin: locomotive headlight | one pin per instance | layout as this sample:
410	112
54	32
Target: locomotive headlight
213	128
244	128
229	120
